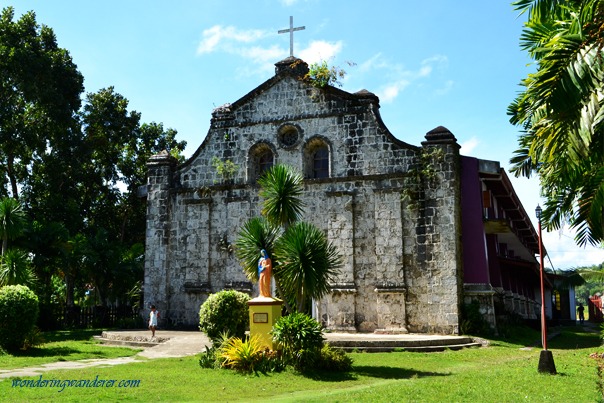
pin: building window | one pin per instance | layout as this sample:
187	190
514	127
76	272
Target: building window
317	159
261	157
288	135
320	163
265	162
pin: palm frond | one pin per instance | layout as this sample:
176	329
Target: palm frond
307	263
281	188
255	235
562	112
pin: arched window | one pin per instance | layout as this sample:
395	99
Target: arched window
320	163
317	162
265	161
261	157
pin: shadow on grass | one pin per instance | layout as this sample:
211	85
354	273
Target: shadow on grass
381	372
71	335
330	376
562	337
393	372
574	337
44	352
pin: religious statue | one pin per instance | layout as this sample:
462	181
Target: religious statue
265	271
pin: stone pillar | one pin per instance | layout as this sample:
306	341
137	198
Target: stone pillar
160	169
439	233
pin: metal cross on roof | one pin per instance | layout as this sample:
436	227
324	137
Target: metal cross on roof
291	34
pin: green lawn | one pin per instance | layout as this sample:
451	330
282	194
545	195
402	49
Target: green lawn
502	372
71	345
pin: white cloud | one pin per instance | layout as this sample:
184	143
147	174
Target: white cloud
398	77
246	44
441	60
468	146
288	3
389	92
374	62
225	38
261	54
565	254
320	50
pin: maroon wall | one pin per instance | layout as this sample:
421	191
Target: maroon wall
473	237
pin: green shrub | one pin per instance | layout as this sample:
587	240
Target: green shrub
472	320
211	358
18	315
333	359
301	339
271	361
242	355
34	338
224	312
249	355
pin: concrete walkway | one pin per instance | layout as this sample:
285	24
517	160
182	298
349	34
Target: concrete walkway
169	344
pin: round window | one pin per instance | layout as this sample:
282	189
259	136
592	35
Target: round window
288	135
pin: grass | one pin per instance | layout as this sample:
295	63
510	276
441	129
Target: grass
71	345
503	372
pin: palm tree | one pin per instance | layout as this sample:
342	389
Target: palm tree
12	221
15	269
561	111
307	261
304	262
281	187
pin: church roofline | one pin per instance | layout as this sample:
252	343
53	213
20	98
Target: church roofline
283	70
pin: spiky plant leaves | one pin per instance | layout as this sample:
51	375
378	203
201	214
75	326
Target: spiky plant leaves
307	263
15	269
255	235
281	188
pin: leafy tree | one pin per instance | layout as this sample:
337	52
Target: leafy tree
561	112
76	171
304	261
47	244
40	89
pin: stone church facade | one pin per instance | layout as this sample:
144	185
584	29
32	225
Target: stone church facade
392	209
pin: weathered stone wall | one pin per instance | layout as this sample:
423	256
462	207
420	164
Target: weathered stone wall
401	267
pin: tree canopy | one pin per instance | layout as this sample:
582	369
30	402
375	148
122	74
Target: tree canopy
75	164
40	89
561	111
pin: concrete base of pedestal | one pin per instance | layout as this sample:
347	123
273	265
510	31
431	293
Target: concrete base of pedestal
546	362
264	313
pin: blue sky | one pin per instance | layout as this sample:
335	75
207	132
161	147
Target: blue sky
452	63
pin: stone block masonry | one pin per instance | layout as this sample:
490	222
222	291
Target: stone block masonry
393	214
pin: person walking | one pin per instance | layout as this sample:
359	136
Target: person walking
153	318
581	310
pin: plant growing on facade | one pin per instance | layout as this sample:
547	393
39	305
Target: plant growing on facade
225	169
420	175
321	75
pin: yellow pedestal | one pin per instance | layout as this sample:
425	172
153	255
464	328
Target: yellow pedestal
264	313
